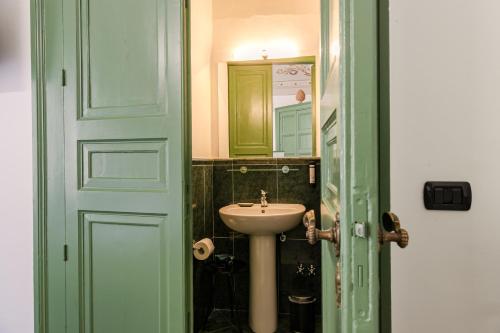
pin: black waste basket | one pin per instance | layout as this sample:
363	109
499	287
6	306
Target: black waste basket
302	314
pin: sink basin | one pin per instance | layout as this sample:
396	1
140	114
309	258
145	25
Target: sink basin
262	224
255	220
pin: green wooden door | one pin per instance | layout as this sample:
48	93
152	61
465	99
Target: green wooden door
293	125
124	167
250	110
350	165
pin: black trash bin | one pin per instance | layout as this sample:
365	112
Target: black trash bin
302	314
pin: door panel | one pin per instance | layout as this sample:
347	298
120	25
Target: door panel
124	167
350	181
133	165
122	58
359	45
250	110
331	111
123	270
304	132
294	129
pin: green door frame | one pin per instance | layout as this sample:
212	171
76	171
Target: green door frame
39	29
39	221
384	139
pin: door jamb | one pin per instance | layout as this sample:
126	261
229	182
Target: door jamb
384	159
39	155
39	165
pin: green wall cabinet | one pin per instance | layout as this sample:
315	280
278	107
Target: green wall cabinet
294	129
250	110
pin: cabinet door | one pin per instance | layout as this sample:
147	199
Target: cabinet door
124	167
250	111
294	129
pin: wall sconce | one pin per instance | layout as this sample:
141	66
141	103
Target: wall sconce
267	49
264	54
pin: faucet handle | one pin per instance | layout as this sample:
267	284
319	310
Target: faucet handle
309	219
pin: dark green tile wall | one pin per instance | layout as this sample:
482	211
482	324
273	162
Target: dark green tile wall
214	187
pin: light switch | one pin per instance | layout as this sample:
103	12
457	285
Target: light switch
457	195
447	195
438	195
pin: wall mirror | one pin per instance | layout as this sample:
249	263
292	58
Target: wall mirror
254	75
270	108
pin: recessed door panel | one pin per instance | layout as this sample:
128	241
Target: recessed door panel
133	165
250	110
304	121
294	124
123	272
122	58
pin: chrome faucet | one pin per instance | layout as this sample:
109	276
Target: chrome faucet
263	198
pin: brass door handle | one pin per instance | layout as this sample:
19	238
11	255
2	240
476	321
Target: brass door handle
314	235
391	231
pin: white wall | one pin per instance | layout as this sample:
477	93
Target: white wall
201	57
445	109
16	226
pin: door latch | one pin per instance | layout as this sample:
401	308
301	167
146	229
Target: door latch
360	230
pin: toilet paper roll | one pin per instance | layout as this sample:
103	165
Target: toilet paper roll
203	249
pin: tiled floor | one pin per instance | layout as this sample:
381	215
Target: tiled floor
220	322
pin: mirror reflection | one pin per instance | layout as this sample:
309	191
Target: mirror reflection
292	110
253	87
270	109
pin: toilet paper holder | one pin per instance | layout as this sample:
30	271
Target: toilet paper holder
203	248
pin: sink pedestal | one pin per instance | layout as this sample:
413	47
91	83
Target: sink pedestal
263	316
262	225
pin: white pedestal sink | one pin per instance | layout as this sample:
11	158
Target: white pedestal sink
262	224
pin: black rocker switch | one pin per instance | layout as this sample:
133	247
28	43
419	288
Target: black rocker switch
447	195
439	195
457	196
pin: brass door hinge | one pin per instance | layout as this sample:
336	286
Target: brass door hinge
65	252
63	78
